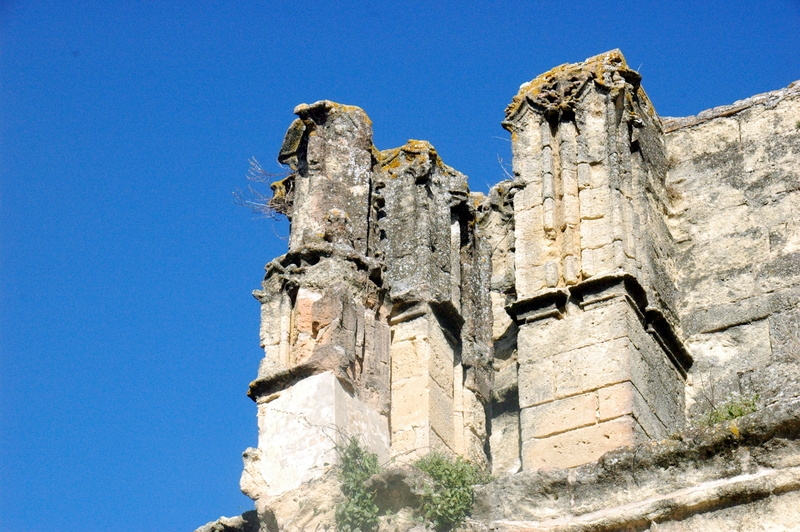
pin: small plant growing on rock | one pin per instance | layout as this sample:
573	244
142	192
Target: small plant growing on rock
731	409
449	502
358	512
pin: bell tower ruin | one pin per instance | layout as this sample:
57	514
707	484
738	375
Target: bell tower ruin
560	331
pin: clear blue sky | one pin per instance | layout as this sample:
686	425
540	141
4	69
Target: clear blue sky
128	334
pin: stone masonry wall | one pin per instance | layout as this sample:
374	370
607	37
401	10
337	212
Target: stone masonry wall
736	193
599	362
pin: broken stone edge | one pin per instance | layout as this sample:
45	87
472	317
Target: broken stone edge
701	470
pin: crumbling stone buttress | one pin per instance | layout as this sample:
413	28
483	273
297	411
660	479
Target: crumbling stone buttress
587	283
372	322
546	324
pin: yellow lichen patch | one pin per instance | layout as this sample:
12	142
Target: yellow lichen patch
329	107
556	88
734	429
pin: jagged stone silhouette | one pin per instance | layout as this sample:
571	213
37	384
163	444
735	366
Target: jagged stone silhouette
562	331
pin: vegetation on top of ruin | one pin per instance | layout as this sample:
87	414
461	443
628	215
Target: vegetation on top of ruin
449	501
445	503
357	511
733	408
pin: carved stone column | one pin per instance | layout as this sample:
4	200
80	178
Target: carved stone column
325	374
600	363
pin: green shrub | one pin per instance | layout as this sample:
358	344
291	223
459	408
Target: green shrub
358	512
731	409
449	502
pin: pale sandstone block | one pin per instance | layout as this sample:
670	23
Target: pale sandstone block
599	171
620	260
504	444
536	383
597	261
721	222
736	349
405	441
547	160
529	238
505	375
435	444
530	280
441	415
617	222
709	137
584	176
458	409
559	416
592	367
410	402
458	432
735	251
501	321
572	269
442	357
298	430
546	135
525	164
529	197
410	358
548	189
595	233
270	330
571	240
598	324
549	217
659	389
569	176
551	274
411	329
474	413
568	133
632	233
594	203
579	446
615	401
649	425
572	209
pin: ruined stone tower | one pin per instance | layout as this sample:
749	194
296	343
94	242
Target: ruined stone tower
372	323
634	272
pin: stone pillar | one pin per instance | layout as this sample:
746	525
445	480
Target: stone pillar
375	323
439	366
325	373
600	364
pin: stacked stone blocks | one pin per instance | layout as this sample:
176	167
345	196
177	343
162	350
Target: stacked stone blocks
539	327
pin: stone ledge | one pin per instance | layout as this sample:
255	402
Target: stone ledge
767	99
707	468
551	303
721	317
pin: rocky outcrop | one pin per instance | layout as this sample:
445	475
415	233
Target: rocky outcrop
753	461
562	331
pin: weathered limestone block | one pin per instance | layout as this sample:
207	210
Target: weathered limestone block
330	150
300	427
327	310
419	226
594	373
734	176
